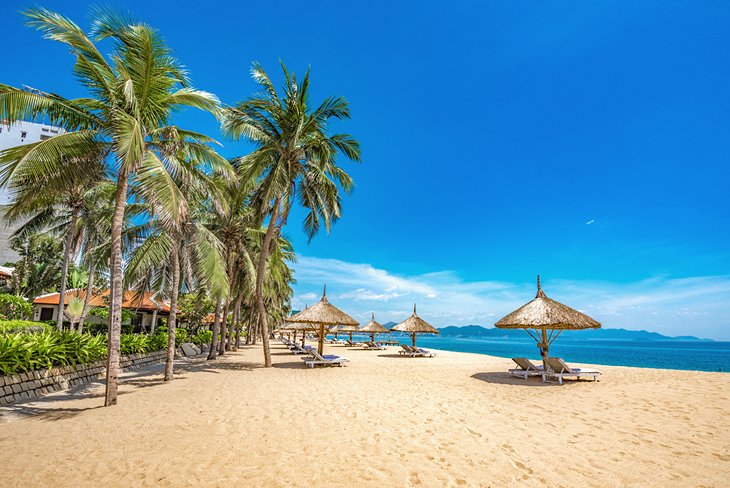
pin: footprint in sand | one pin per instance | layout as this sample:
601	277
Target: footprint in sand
508	447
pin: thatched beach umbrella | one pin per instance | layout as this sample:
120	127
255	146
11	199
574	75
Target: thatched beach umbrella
415	325
324	315
373	328
543	314
298	326
348	329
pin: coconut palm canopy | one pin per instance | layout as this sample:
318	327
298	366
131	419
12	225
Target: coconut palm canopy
373	327
324	315
544	312
415	325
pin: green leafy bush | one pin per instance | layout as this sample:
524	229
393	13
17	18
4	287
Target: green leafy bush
203	337
13	307
28	352
181	335
22	326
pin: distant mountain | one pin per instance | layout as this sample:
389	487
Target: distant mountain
588	334
390	325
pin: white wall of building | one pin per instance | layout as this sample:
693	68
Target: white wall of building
10	136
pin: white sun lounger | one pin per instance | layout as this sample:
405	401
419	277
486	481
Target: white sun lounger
425	353
326	360
297	349
526	368
558	369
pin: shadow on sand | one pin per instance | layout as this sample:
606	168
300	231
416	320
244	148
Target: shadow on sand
504	378
47	407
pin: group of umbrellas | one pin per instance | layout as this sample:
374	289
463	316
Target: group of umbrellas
542	318
323	316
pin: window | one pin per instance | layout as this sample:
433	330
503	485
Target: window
54	131
44	129
43	138
23	134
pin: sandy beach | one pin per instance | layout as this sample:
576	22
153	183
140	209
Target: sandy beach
453	420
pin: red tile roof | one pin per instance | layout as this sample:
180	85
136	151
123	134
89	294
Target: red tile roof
132	300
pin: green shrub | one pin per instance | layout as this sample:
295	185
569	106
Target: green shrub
28	352
22	326
181	335
13	307
203	337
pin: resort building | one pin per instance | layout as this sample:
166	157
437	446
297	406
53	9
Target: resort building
145	307
12	135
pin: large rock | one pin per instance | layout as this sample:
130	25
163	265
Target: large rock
190	349
204	347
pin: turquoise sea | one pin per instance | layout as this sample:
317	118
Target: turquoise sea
688	355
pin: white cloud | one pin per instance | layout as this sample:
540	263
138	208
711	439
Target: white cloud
694	306
590	222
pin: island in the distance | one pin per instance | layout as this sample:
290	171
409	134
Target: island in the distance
589	334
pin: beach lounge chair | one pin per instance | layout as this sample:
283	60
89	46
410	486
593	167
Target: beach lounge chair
424	353
526	368
372	346
558	369
328	360
405	350
297	349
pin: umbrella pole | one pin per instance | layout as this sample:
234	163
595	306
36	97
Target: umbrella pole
544	348
320	345
350	336
413	336
372	337
304	337
295	336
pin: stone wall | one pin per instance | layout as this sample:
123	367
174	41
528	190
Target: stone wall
37	383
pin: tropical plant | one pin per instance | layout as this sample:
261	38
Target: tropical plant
38	270
295	156
133	93
22	326
13	307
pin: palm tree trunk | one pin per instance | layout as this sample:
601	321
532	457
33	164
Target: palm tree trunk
213	352
64	268
223	329
260	271
170	360
238	323
115	305
89	291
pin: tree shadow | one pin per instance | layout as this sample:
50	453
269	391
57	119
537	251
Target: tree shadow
504	378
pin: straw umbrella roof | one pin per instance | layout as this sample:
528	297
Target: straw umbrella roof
415	324
544	312
373	326
297	326
348	328
323	312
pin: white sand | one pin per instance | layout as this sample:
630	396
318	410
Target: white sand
453	420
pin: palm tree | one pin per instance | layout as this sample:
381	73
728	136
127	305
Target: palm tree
132	96
295	156
51	203
174	254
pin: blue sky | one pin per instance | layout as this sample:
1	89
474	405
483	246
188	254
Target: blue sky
585	141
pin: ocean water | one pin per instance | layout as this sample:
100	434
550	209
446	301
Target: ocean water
687	355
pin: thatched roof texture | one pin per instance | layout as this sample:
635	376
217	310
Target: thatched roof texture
415	324
373	327
323	312
544	312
